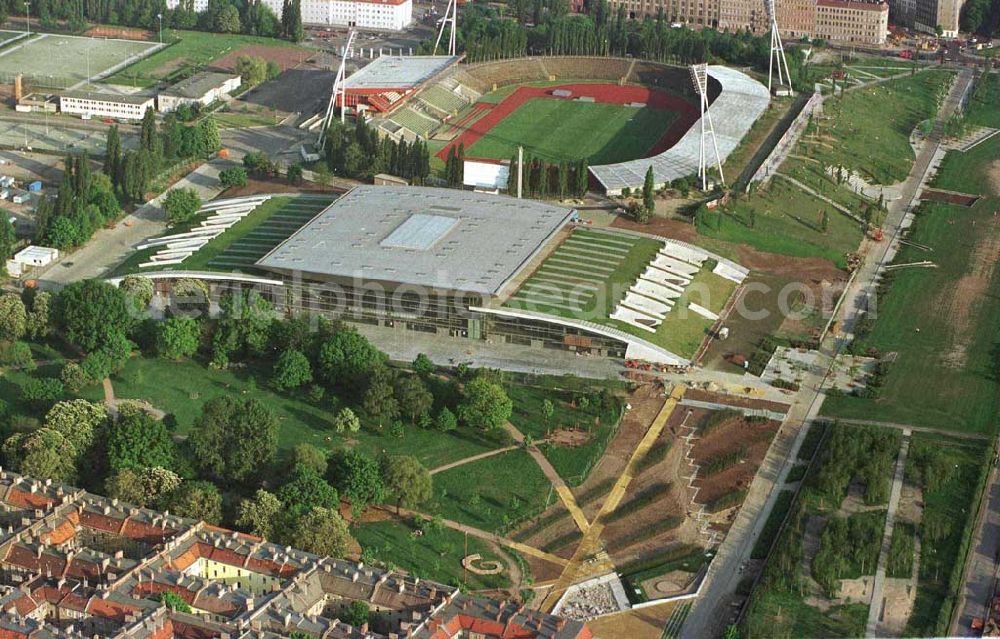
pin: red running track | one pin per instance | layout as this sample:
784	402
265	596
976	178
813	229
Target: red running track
603	93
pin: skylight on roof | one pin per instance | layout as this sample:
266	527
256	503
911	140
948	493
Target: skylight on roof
420	232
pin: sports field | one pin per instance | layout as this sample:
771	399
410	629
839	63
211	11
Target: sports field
556	130
7	36
61	61
191	51
604	123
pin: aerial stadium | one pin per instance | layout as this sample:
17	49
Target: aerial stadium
622	114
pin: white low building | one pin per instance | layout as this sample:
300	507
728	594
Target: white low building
106	105
201	88
31	257
390	15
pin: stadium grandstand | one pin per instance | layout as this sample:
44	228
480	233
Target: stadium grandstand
388	81
448	106
491	269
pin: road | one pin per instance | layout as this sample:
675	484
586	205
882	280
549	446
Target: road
982	567
710	613
109	247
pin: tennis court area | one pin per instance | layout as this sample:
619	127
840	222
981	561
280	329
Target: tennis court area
61	61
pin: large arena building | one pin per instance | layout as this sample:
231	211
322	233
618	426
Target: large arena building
481	268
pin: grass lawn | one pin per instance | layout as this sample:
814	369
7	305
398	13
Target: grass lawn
788	615
813	175
435	555
493	493
190	49
573	463
984	107
878	147
556	130
946	375
183	387
786	221
952	504
239	246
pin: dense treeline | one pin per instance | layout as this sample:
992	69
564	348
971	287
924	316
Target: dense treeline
544	27
981	16
357	151
229	469
250	17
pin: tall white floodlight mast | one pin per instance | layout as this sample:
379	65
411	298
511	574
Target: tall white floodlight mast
699	76
338	90
777	50
450	18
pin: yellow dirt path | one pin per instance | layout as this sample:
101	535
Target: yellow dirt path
591	542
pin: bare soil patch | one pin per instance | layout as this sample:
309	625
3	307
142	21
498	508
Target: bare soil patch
279	185
949	197
121	33
571	437
729	438
960	301
286	57
735	401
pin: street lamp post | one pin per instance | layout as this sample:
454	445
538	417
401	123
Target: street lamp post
27	15
159	16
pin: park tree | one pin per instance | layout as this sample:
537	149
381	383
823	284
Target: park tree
228	20
234	176
252	70
582	178
423	366
43	454
309	456
181	205
142	486
357	476
346	421
173	601
135	440
347	359
380	399
407	482
150	142
305	490
291	370
93	313
113	154
177	337
358	613
294	174
259	514
208	137
322	531
234	439
243	327
485	405
648	193
78	421
13	317
74	378
445	420
413	397
195	500
39	305
139	290
8	240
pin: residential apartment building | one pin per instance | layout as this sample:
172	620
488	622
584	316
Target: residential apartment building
389	15
845	21
858	21
106	105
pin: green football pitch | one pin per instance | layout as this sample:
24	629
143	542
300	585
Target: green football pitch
557	130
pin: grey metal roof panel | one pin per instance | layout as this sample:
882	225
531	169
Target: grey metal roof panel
399	72
741	101
438	238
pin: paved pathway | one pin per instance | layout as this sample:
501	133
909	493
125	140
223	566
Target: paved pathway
565	495
983	565
482	534
109	247
874	628
473	458
591	541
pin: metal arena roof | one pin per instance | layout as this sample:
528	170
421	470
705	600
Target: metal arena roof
438	238
739	104
399	72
